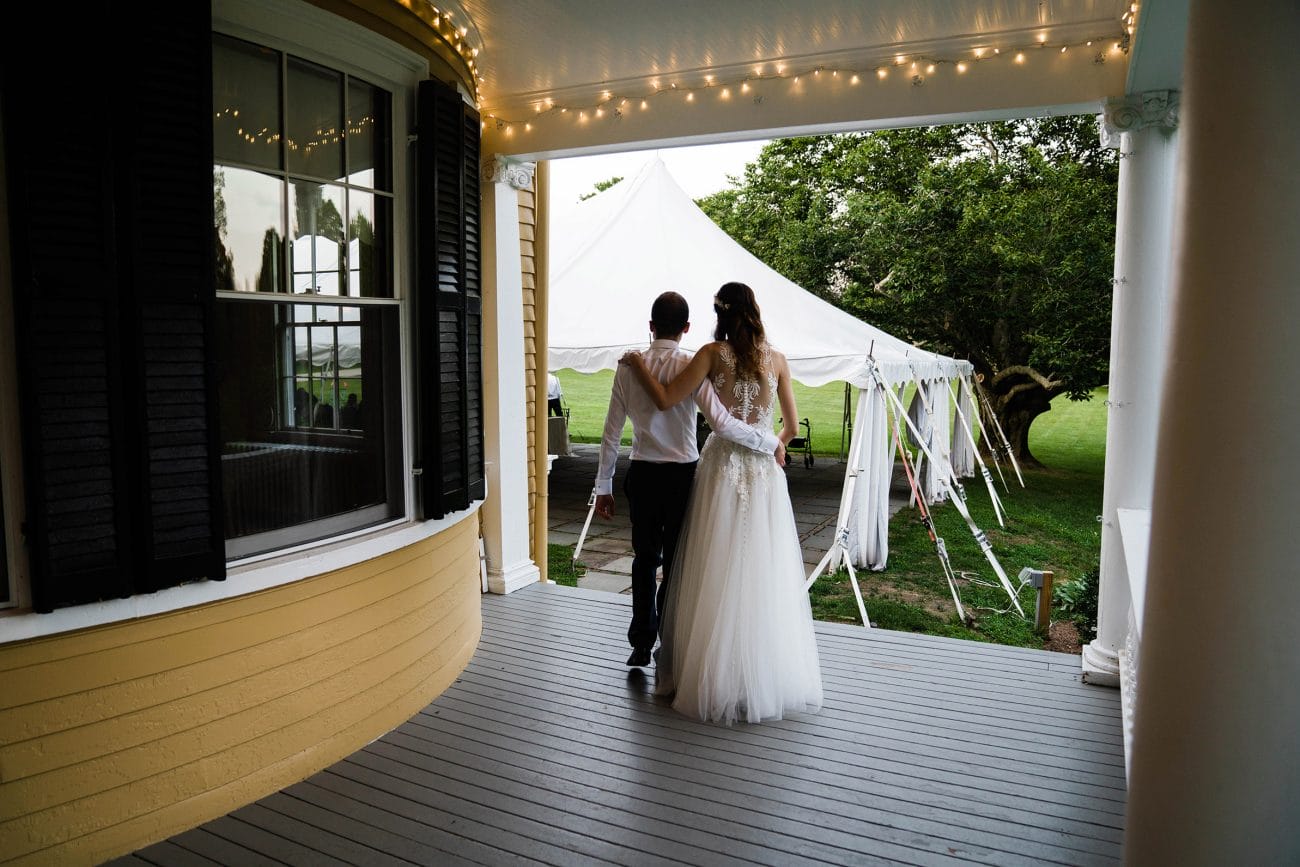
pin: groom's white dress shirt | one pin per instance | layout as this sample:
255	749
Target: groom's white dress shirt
667	436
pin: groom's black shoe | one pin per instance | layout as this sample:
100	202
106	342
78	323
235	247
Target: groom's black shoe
640	656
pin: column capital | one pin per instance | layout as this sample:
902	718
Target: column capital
498	169
1135	112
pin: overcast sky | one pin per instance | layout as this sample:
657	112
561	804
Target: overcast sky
698	170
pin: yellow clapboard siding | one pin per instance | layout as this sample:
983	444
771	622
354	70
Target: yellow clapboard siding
334	640
301	700
293	704
151	688
141	658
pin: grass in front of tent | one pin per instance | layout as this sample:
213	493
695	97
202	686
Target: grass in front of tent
587	397
560	567
1051	525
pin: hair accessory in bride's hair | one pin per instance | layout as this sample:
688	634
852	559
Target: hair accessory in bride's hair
720	305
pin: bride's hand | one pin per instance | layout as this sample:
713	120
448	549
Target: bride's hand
780	454
632	356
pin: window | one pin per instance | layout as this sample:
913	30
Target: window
308	316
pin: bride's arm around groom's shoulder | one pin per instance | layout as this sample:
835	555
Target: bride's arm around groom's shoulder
682	386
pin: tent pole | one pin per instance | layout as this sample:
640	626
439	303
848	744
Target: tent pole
970	437
839	547
984	434
846	421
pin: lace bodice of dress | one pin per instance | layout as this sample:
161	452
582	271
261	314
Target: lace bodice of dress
749	400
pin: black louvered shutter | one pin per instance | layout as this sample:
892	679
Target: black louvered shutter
67	324
110	207
449	307
164	170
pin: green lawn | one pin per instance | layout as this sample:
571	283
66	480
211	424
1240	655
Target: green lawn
587	397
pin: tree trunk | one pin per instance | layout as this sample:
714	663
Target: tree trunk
1017	397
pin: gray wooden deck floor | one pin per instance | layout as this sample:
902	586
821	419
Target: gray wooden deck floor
547	750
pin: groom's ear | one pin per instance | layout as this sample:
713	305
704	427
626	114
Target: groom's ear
686	328
651	323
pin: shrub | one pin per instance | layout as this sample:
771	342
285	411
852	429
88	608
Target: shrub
1077	599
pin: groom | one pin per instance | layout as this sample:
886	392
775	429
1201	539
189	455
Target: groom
664	454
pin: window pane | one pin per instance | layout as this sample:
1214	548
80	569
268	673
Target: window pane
368	232
248	209
315	100
317	249
246	102
310	412
368	139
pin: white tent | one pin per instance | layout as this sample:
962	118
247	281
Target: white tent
645	236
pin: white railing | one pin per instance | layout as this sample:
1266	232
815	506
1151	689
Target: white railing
1135	535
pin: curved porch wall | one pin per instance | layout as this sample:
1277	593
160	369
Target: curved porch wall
115	737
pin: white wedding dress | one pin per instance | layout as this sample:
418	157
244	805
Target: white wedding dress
737	639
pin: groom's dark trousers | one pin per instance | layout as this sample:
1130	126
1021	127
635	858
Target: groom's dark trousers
657	495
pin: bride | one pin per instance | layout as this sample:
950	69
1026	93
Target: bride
737	635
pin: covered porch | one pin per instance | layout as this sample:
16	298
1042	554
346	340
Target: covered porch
548	750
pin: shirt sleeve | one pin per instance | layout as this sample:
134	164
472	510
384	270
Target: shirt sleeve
609	441
729	427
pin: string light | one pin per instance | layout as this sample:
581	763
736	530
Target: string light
921	69
321	136
461	37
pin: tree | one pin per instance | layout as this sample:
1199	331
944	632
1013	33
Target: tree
600	187
990	242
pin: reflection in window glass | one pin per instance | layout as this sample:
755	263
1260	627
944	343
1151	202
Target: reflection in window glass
246	103
309	392
315	120
249	211
368	137
308	429
317	250
369	219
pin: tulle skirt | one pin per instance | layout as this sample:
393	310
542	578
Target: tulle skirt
737	637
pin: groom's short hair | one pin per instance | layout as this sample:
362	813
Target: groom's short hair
670	313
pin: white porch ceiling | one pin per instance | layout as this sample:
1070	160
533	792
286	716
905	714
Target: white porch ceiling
575	52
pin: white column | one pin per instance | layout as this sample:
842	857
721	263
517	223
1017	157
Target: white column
1216	754
1144	128
505	429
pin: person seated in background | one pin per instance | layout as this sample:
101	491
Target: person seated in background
350	414
553	395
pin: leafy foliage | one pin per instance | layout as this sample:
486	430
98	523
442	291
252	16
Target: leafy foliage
1077	600
600	187
991	242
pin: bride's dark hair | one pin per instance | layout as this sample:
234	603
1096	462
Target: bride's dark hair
739	324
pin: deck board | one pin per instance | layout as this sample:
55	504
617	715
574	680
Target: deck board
548	750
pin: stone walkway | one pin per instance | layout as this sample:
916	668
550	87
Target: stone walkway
607	552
